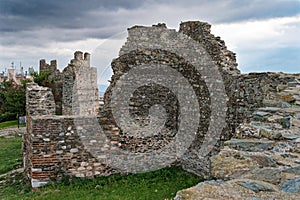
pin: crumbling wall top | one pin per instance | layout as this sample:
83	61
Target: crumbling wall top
81	59
39	100
215	47
52	67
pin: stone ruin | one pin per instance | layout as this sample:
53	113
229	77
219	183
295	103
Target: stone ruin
53	81
174	99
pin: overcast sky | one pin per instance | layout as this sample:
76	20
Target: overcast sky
263	33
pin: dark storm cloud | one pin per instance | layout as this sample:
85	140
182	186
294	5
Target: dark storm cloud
29	27
17	15
67	20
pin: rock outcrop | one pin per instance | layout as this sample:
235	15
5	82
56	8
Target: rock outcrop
262	160
237	189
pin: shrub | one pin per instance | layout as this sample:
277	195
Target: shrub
7	117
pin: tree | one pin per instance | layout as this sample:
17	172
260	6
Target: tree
13	98
42	78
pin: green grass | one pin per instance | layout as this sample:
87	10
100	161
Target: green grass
161	184
8	124
158	185
10	153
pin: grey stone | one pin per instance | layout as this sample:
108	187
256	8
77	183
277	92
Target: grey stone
212	182
291	137
292	91
233	190
250	144
260	116
270	109
264	160
291	186
46	139
74	150
36	170
37	183
287	155
286	105
256	186
270	134
284	121
293	170
261	113
272	103
293	84
270	175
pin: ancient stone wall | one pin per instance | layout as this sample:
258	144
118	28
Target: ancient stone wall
52	143
58	149
39	102
80	82
254	91
73	84
53	81
192	53
174	99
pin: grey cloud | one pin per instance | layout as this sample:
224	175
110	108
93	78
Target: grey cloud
18	15
36	23
238	10
258	9
72	18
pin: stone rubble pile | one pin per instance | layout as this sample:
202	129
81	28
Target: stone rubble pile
262	160
11	132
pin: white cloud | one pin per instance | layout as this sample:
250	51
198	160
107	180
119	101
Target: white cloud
263	45
60	51
261	34
103	54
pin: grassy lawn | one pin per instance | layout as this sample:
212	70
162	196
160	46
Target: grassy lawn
8	124
10	153
161	184
158	185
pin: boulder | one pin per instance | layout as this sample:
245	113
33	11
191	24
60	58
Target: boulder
234	190
291	186
250	144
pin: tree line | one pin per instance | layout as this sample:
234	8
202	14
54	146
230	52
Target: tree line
12	100
13	96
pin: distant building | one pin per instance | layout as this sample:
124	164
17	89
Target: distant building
17	76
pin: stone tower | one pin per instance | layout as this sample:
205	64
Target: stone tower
79	82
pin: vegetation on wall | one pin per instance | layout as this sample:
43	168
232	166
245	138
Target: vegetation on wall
42	78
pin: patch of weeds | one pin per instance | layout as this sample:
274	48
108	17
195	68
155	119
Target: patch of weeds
15	185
